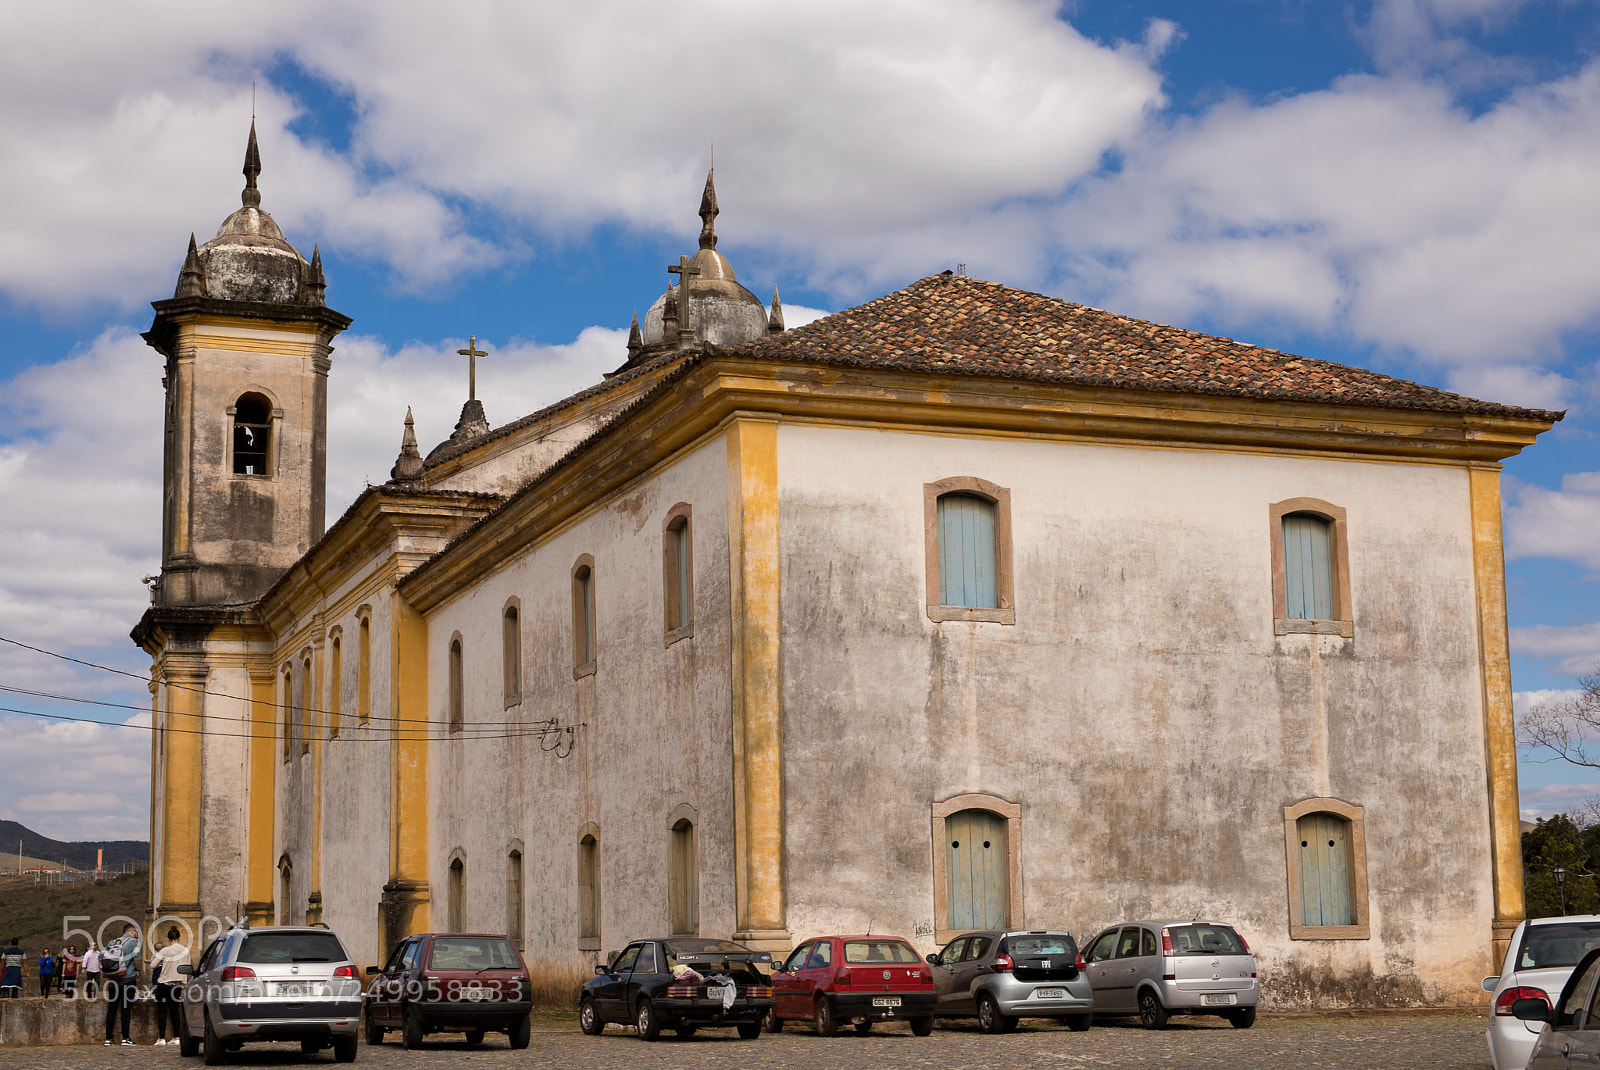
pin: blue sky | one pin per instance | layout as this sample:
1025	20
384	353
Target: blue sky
1405	185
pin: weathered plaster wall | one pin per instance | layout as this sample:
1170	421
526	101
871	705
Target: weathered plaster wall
1140	711
225	757
654	735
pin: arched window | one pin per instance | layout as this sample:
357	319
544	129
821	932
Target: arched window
977	869
1326	843
511	653
456	905
583	627
335	682
364	671
683	891
286	711
589	891
307	700
678	573
514	897
1308	567
252	435
285	889
457	685
967	571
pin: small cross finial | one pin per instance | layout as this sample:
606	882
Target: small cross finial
684	271
472	353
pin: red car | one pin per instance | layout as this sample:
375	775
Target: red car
831	980
471	983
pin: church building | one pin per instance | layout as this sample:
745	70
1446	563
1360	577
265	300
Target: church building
966	607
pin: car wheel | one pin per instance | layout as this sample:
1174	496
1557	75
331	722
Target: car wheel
1080	1023
475	1036
344	1049
373	1030
411	1033
772	1023
922	1027
684	1029
519	1033
749	1030
589	1019
827	1024
1243	1018
990	1020
1151	1013
188	1046
646	1022
864	1026
214	1052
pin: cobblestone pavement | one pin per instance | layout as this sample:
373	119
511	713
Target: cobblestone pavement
1421	1042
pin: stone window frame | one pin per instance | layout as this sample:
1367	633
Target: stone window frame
1361	926
1343	620
679	517
585	625
335	709
1009	812
590	831
513	678
274	433
363	665
1000	498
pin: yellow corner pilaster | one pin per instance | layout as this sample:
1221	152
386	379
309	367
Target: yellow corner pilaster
259	868
757	701
180	817
1500	735
405	906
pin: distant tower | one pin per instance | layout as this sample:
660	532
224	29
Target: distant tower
246	337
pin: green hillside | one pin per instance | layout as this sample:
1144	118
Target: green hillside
34	912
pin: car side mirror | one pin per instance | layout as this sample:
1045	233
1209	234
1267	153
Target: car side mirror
935	960
1530	1010
604	971
371	970
1490	984
186	970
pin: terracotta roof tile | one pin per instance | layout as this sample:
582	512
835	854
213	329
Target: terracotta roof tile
959	325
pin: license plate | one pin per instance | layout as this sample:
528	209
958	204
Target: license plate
1049	993
718	992
476	993
293	990
886	1001
1219	1001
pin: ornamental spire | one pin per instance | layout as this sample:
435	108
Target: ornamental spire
635	339
408	466
191	280
775	321
708	213
252	168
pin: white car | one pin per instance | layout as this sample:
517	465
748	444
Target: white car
1542	956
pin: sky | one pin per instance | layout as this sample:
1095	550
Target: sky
1405	185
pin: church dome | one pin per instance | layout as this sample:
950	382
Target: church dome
721	311
249	260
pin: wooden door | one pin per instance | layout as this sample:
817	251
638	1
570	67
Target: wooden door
1324	869
977	868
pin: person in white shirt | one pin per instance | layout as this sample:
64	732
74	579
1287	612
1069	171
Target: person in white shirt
169	986
91	971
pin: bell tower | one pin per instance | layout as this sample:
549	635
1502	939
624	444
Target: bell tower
246	337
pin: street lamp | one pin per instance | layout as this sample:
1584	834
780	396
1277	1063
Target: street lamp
1561	884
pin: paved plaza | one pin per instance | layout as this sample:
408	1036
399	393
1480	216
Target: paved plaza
1382	1042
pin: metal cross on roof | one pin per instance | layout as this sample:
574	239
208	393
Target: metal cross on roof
472	353
684	272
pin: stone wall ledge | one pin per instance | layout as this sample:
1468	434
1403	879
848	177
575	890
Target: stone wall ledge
32	1021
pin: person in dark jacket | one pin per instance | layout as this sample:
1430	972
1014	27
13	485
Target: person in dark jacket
119	970
47	972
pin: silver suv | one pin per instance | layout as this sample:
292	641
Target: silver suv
1159	968
999	977
278	983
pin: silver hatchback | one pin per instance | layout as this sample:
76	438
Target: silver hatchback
1156	969
277	983
999	977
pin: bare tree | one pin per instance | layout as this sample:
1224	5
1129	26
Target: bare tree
1570	729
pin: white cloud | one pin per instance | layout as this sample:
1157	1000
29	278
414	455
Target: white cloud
1575	649
1561	523
83	781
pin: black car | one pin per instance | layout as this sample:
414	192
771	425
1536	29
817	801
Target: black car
638	988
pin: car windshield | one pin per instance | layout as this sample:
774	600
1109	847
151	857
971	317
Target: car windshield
267	948
1562	944
473	953
857	952
1206	940
1050	944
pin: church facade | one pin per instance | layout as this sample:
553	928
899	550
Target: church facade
965	607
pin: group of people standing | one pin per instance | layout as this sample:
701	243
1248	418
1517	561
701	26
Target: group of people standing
112	974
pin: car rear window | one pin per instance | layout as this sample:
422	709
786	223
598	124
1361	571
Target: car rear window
1048	944
706	947
1206	940
857	952
473	953
267	948
1562	944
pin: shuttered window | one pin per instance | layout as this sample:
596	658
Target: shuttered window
1307	567
683	892
977	868
1324	869
967	566
588	888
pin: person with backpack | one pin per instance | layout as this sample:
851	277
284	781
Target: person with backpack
47	972
119	970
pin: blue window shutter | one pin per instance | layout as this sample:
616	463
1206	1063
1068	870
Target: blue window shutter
967	552
1307	567
978	869
1324	869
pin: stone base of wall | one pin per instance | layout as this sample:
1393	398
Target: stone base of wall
33	1021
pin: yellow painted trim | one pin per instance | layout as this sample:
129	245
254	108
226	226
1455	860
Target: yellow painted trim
408	686
757	682
262	812
1500	739
180	821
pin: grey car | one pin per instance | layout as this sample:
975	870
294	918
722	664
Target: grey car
1156	969
276	983
1572	1026
999	977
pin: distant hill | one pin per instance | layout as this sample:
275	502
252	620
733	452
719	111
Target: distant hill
79	855
34	914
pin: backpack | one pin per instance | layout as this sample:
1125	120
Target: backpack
112	965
